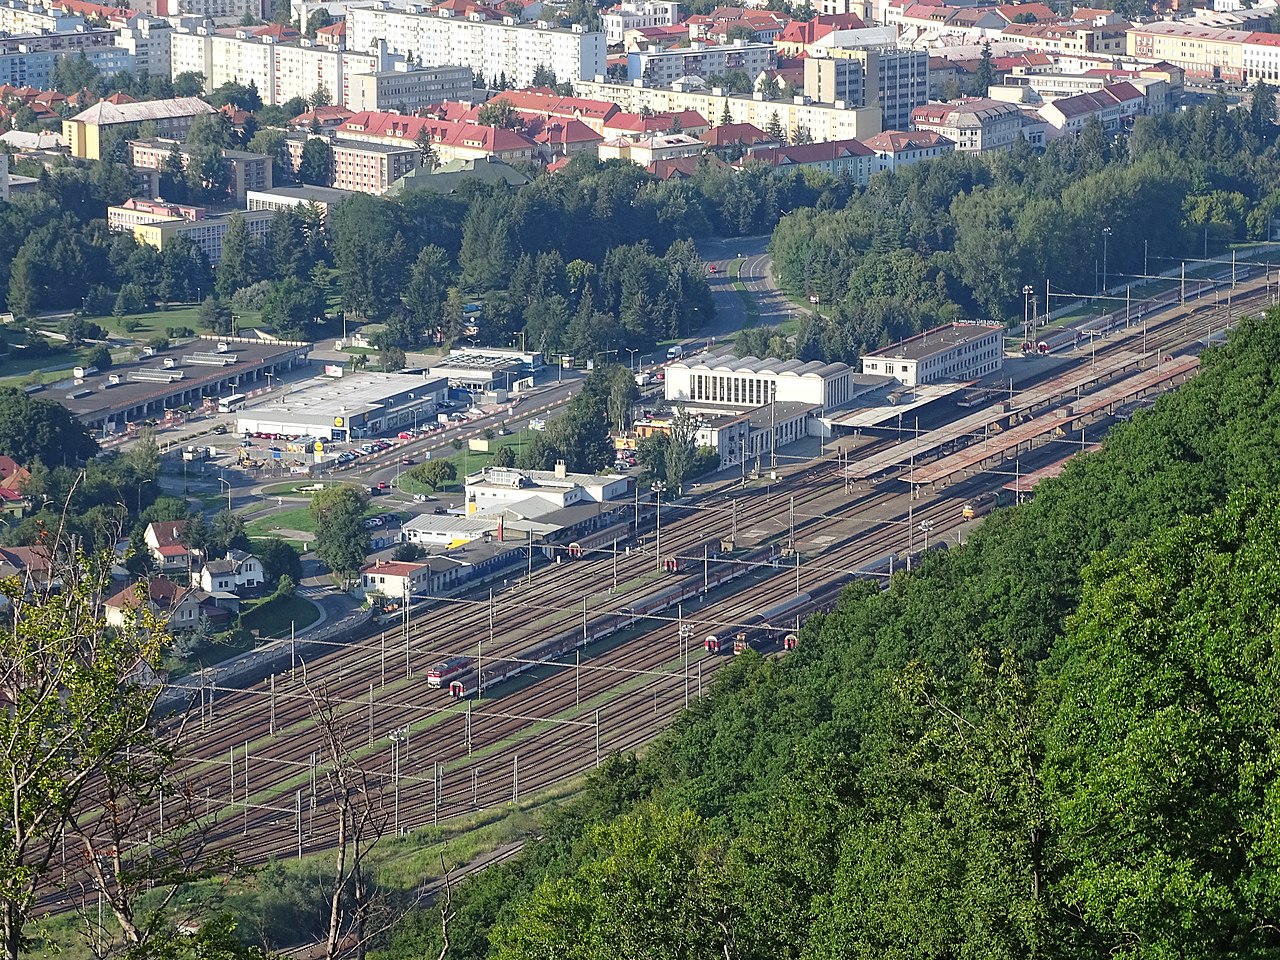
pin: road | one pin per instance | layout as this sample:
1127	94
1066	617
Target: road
756	276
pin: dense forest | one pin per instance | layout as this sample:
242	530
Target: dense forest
1059	740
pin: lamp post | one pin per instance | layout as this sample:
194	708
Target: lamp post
925	527
1106	232
658	488
633	351
228	483
397	737
1026	313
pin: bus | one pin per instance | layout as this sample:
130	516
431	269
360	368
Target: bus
232	403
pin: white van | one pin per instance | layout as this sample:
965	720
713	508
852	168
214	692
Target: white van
675	353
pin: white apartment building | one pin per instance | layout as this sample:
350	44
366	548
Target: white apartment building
1261	56
17	17
490	48
409	89
222	10
636	14
958	351
663	67
149	39
280	71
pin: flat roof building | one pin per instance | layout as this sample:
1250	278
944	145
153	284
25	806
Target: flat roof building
481	370
958	351
348	408
290	198
494	489
206	232
168	379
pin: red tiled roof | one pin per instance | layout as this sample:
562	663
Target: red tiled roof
807	31
168	532
731	133
895	141
162	591
174	550
393	568
277	31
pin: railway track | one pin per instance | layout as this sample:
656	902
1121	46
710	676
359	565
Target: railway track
260	777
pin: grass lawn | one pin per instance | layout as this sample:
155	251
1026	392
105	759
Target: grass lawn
272	618
293	518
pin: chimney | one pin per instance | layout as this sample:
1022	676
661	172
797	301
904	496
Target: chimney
561	472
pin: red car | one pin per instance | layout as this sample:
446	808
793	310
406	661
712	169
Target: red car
711	268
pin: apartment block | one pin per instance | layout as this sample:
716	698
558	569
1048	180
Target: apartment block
280	71
822	121
172	119
894	80
207	233
490	48
663	67
248	171
409	90
974	124
1204	52
636	15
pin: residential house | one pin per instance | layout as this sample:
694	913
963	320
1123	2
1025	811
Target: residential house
177	605
974	124
394	579
34	565
239	572
164	542
897	148
732	141
637	126
800	35
840	158
1114	106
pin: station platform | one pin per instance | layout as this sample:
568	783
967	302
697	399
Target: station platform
1029	481
993	419
1059	421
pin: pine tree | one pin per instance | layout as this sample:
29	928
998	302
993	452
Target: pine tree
726	116
986	75
774	129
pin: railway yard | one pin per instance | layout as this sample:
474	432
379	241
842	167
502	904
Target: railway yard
585	657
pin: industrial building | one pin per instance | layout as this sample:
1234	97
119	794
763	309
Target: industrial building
166	380
958	351
349	408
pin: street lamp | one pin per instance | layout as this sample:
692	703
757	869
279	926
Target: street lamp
397	737
140	483
633	351
228	483
1106	232
1026	313
925	527
658	488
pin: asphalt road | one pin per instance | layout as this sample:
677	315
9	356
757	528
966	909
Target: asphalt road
756	276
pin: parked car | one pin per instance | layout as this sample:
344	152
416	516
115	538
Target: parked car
220	429
382	484
408	461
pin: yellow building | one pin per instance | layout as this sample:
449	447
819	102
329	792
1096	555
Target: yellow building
172	119
207	232
1205	52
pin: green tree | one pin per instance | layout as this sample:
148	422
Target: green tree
623	395
425	293
341	541
227	533
77	729
99	357
774	129
427	156
190	83
437	474
274	144
241	258
392	359
316	165
33	428
215	315
293	308
278	558
985	76
498	113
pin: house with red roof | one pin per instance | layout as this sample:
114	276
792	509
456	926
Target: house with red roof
1114	106
732	141
756	26
682	168
176	605
164	540
900	148
594	113
799	35
840	158
322	119
333	36
638	125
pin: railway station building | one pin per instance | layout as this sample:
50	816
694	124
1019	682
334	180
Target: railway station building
747	382
958	351
349	407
